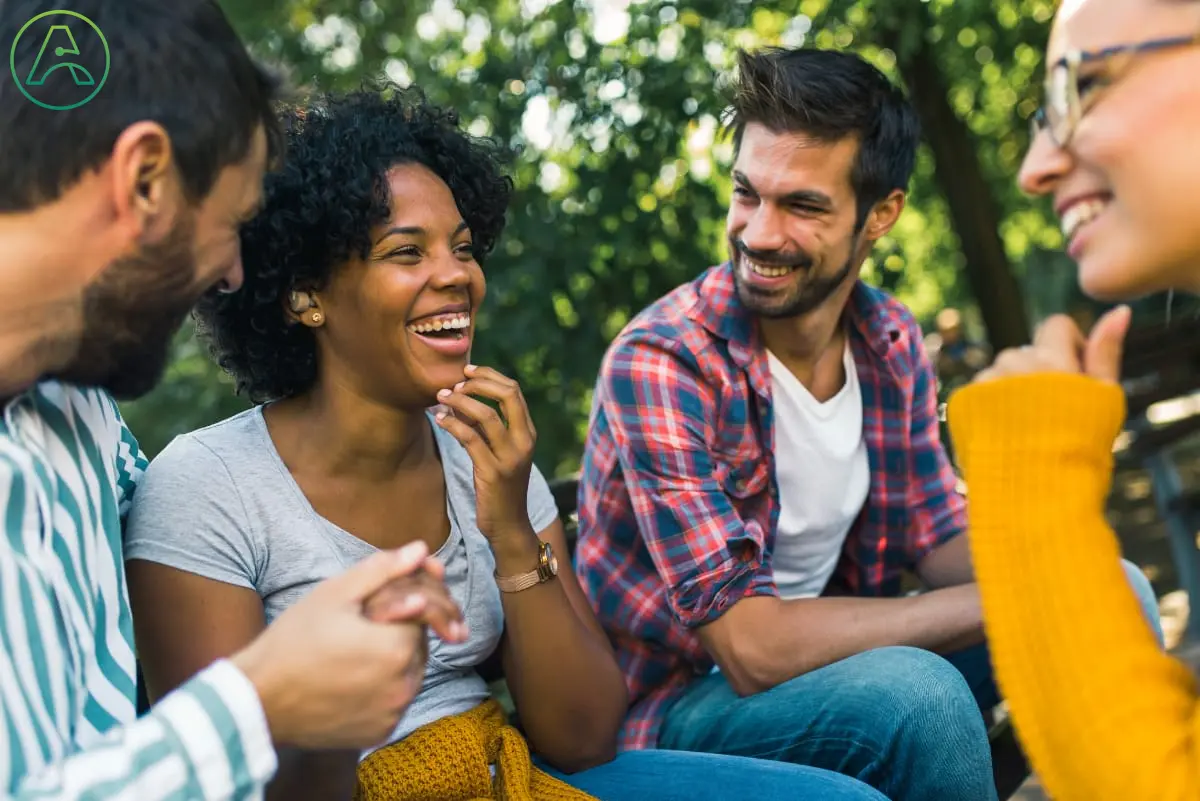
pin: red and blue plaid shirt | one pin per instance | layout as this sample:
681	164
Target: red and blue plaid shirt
678	502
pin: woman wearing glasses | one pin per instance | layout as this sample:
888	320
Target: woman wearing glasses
1102	711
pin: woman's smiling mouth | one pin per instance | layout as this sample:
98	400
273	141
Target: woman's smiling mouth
447	331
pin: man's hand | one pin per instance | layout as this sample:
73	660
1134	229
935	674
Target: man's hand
328	676
1059	347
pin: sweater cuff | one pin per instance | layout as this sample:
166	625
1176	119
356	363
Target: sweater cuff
1058	414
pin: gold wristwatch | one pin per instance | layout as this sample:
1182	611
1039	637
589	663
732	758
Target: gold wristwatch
547	568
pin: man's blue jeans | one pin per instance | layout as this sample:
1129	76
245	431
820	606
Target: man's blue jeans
654	775
903	720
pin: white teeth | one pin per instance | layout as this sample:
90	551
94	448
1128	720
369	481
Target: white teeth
449	322
767	271
1080	214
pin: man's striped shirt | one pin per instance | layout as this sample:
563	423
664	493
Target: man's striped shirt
68	469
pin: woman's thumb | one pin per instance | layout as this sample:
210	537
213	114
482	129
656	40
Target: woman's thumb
1105	345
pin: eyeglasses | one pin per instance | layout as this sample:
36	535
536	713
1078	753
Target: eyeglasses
1069	95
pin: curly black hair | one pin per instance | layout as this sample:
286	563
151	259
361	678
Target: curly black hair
319	208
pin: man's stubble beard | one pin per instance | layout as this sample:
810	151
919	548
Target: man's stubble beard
811	294
131	313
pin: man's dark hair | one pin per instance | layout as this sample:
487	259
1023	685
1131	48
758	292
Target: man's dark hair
829	95
319	210
175	62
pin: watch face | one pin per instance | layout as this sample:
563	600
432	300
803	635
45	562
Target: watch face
549	561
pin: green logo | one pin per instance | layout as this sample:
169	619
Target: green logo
68	78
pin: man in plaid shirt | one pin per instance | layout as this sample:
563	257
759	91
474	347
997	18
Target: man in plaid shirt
764	462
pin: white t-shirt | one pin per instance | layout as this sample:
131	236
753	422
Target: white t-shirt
823	475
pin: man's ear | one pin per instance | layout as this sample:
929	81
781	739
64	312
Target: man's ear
883	216
146	186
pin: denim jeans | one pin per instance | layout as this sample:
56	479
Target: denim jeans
903	720
687	776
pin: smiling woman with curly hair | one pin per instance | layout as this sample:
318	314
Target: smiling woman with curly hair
363	277
324	206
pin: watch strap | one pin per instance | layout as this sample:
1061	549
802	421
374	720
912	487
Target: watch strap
524	581
518	583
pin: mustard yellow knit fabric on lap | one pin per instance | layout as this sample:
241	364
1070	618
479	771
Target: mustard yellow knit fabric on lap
449	759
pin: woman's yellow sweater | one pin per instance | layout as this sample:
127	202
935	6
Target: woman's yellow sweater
1102	712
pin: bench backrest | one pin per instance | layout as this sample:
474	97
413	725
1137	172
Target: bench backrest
566	495
1160	363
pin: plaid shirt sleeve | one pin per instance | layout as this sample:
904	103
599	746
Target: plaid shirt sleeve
662	418
938	510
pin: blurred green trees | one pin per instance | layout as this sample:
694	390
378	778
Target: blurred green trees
622	181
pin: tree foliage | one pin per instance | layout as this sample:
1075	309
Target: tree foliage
622	179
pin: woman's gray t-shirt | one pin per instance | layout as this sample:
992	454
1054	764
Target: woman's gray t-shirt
220	503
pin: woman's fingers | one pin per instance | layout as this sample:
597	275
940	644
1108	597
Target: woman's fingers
471	439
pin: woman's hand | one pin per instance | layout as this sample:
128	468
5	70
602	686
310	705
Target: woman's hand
419	597
500	446
1060	347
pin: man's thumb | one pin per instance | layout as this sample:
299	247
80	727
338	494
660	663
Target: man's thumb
1105	344
373	573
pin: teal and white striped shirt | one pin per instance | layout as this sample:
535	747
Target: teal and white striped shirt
68	469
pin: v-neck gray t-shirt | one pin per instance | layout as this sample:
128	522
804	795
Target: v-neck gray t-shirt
220	503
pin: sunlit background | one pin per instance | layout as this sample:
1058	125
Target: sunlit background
623	174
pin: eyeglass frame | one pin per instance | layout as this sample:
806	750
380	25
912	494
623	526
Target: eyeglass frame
1062	83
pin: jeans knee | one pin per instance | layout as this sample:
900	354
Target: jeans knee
931	697
937	744
1144	591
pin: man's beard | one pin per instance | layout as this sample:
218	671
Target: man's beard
807	294
130	315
